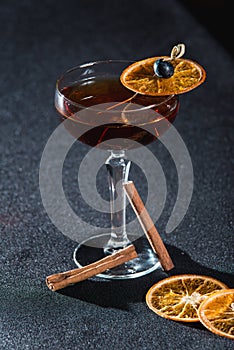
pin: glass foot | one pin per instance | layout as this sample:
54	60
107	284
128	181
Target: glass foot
146	262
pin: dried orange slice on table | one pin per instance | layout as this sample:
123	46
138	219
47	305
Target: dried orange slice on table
217	313
164	75
178	297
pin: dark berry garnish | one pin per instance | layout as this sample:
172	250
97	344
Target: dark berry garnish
163	69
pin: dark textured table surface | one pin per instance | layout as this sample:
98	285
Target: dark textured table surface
39	40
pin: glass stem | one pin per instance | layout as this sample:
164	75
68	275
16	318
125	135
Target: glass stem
118	169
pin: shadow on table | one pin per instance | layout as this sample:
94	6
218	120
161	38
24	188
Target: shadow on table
120	293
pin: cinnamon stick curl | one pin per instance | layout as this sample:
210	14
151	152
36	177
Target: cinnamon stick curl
61	280
148	226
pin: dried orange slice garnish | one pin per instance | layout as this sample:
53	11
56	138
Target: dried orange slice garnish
178	297
140	76
217	313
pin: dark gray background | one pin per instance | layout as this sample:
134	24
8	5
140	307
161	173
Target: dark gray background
38	41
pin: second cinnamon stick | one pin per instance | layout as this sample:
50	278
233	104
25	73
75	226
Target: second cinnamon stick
148	226
63	279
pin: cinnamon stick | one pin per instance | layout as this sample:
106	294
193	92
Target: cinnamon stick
148	226
61	280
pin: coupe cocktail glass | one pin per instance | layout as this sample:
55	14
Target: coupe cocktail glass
92	95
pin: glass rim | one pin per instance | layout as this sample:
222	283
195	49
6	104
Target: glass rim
93	63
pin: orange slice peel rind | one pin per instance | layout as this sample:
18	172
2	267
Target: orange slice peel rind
179	297
216	313
140	76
